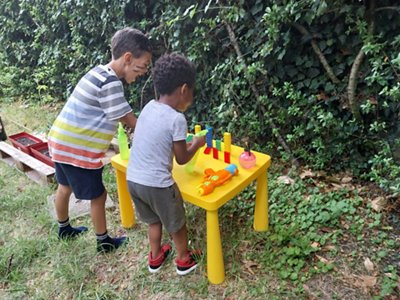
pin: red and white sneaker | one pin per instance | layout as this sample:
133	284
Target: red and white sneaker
155	264
187	265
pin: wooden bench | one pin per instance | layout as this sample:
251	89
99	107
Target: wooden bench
33	168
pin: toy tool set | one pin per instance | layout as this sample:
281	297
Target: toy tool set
217	149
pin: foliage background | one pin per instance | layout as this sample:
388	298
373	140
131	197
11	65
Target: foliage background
287	86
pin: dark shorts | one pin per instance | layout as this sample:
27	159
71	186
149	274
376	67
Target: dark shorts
153	205
87	184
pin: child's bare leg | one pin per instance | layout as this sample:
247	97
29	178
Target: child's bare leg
155	233
98	213
180	241
61	201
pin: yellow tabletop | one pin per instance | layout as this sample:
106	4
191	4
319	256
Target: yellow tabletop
188	182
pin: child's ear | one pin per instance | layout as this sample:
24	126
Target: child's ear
184	88
128	58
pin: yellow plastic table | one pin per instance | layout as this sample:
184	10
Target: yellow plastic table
188	183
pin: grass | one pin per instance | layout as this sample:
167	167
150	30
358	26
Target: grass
320	236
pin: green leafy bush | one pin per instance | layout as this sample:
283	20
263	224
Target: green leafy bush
283	76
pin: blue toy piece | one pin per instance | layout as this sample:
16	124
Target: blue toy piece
209	137
232	168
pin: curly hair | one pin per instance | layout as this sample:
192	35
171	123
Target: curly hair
172	71
129	40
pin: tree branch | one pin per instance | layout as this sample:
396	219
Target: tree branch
352	85
239	55
396	8
319	53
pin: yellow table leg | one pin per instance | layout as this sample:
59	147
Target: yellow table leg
125	202
261	208
215	259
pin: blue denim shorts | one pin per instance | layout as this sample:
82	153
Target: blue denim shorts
87	184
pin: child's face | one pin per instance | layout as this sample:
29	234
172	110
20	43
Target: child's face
136	67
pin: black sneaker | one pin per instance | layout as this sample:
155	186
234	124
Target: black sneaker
70	232
110	244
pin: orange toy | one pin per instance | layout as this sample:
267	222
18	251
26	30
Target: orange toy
213	179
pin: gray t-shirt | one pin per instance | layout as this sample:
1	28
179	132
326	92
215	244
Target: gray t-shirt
150	161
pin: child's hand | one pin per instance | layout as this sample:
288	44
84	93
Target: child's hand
199	141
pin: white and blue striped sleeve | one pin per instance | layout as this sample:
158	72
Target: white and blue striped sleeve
112	99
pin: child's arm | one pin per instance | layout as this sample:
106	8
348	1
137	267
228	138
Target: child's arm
183	153
129	119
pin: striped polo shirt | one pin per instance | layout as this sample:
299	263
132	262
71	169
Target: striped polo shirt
83	130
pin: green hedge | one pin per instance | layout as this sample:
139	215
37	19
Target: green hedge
288	93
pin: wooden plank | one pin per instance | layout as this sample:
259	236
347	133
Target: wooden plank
33	168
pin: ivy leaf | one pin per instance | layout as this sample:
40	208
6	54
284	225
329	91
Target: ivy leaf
321	8
396	61
192	12
280	56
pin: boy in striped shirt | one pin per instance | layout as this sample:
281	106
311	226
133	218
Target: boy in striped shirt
82	132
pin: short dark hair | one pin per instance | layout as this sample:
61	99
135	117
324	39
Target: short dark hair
172	71
129	40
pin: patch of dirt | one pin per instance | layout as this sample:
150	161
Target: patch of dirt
329	286
25	141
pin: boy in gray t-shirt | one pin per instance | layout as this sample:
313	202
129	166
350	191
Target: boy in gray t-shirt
160	134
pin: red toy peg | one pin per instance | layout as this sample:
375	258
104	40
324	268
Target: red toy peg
227	157
215	153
